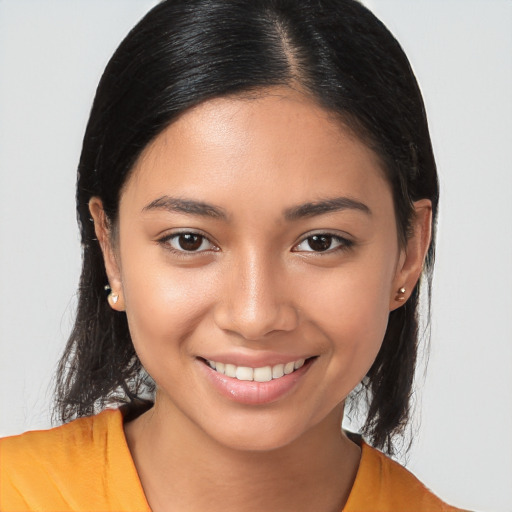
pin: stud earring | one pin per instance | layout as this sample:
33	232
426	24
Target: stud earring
112	298
400	297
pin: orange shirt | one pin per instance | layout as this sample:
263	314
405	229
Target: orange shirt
86	466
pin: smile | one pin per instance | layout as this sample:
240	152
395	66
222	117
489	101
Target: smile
262	374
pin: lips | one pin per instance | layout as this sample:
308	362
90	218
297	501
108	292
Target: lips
254	385
260	374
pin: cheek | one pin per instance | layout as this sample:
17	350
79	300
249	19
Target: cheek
353	296
353	317
164	303
351	308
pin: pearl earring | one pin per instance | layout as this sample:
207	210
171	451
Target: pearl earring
111	297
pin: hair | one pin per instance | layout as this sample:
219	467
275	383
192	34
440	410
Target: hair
184	52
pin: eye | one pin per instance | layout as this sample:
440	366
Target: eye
189	242
323	242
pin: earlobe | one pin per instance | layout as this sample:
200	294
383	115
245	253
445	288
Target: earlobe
413	256
104	235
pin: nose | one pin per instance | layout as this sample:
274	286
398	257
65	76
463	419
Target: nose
255	300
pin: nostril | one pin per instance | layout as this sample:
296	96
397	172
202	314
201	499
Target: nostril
256	322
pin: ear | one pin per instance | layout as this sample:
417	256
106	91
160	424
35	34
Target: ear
105	238
412	257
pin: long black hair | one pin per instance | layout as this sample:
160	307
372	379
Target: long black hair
184	52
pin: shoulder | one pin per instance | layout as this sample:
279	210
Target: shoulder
37	450
383	485
57	468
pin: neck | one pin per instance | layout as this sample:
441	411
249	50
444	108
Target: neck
182	468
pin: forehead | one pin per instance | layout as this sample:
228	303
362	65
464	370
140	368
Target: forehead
278	146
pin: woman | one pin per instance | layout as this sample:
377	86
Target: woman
257	195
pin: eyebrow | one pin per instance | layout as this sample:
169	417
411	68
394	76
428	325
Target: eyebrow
324	206
188	206
310	209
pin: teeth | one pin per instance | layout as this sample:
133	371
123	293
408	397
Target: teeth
288	368
263	374
230	370
299	364
244	373
277	371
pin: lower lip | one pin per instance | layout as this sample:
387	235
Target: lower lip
251	392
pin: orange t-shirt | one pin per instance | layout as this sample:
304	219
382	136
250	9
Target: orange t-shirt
86	466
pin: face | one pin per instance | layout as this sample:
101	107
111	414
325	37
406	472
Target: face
257	260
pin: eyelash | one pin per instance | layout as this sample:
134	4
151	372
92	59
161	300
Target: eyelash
166	242
344	244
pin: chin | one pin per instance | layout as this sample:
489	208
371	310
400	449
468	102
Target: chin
271	429
255	440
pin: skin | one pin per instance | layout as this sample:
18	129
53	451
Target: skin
254	289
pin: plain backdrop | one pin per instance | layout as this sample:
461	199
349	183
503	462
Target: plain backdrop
52	54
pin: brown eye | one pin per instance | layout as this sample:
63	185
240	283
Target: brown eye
320	243
323	242
189	242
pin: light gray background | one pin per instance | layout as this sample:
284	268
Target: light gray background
51	56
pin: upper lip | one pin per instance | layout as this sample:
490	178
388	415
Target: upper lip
257	360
